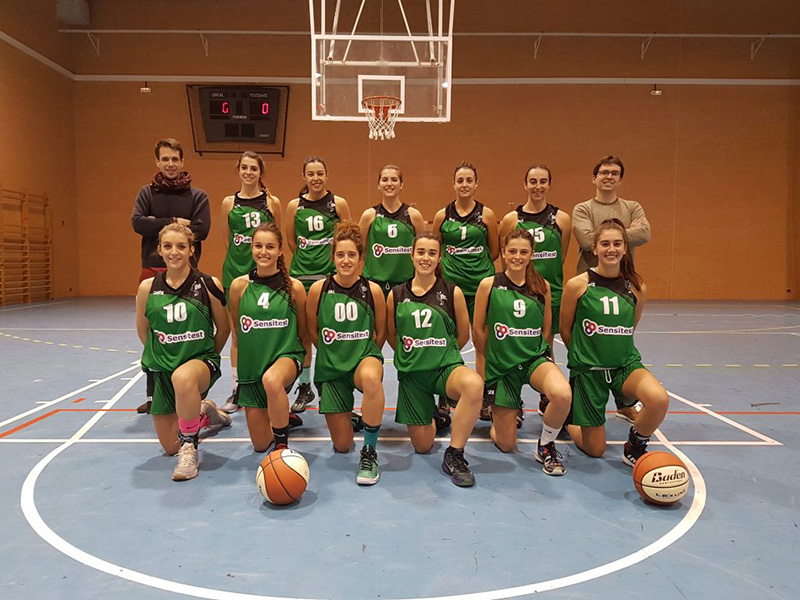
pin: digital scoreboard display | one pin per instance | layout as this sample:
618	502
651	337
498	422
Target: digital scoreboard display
237	116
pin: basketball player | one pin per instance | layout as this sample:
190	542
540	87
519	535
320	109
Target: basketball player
511	326
550	228
310	219
242	213
168	198
347	323
268	310
599	312
181	320
389	228
427	325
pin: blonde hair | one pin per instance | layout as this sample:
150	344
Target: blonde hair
177	228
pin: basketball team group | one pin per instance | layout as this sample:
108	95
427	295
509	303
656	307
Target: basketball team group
350	286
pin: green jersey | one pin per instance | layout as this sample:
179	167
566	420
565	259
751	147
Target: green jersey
465	244
267	327
243	219
388	256
602	335
514	319
313	231
181	322
427	338
346	326
547	257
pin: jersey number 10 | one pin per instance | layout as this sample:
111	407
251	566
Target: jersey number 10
176	312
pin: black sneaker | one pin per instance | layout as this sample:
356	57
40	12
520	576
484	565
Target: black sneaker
550	459
455	465
294	421
305	396
520	415
144	409
631	452
442	421
543	402
486	412
356	422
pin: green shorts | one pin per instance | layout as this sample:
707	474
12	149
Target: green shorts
556	320
415	391
470	306
337	395
590	393
505	391
252	393
159	387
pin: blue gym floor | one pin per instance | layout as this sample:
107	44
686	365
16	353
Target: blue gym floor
90	511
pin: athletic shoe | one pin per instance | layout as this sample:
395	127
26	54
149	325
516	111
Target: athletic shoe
442	421
231	403
631	452
356	422
188	463
486	412
455	465
629	412
368	473
144	409
294	421
550	459
543	402
520	417
216	418
305	396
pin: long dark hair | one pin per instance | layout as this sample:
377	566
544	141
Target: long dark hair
626	264
256	157
306	162
533	280
430	235
286	280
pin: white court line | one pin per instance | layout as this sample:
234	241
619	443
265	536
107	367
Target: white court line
49	403
768	440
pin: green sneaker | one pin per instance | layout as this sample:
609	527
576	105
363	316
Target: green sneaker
368	473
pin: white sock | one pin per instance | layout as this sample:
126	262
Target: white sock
235	377
549	434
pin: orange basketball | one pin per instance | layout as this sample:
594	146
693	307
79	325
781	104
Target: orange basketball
661	478
282	476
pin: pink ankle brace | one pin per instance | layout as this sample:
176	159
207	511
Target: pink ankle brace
192	426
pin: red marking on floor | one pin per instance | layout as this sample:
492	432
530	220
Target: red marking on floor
28	423
78	400
58	410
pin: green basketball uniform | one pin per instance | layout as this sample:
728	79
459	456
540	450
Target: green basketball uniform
547	257
313	231
388	257
602	335
243	219
427	337
465	248
266	331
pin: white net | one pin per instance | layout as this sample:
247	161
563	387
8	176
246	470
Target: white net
381	114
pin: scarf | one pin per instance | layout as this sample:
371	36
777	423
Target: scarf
179	184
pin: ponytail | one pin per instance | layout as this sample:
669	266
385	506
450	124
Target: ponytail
626	267
534	282
306	162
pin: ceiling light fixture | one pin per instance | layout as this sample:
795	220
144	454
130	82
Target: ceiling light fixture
655	91
145	89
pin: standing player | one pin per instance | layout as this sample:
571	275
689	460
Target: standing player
242	213
310	219
550	228
599	312
512	328
181	320
346	322
389	228
427	324
268	308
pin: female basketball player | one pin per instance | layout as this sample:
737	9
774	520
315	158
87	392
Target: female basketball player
511	327
599	312
551	229
252	205
346	322
310	219
181	320
427	324
268	308
389	229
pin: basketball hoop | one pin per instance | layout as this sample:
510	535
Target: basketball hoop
381	114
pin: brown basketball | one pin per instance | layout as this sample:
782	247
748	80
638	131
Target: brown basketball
282	476
661	478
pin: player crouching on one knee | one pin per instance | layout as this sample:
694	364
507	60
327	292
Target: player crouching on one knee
346	316
181	320
427	325
268	310
599	312
512	328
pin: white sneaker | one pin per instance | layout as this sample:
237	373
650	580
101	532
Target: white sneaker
231	403
188	463
216	418
629	413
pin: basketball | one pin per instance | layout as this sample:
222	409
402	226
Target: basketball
661	478
282	476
